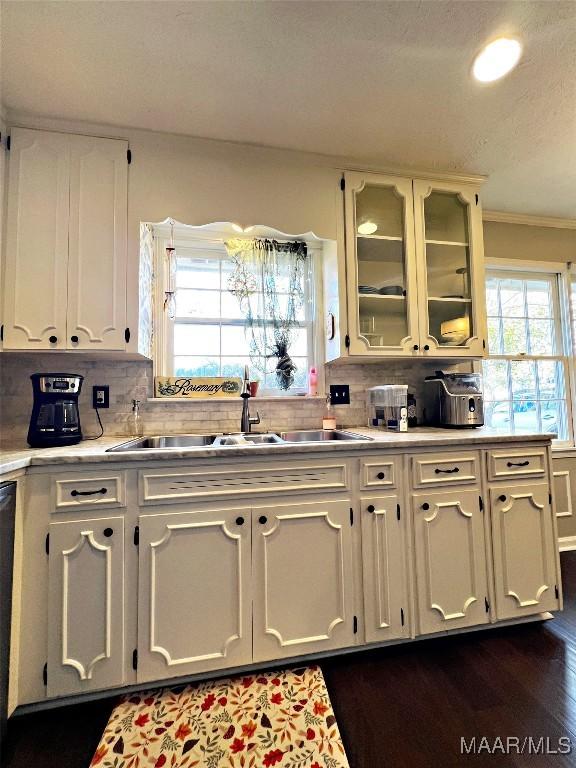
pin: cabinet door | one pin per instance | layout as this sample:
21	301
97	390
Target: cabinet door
97	261
384	569
381	266
86	606
450	252
303	581
450	560
194	606
36	241
524	550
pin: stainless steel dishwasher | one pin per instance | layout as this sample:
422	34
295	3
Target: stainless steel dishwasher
7	517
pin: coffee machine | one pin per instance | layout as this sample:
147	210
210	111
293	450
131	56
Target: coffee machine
55	416
454	400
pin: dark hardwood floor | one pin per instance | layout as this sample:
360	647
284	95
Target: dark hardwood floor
401	707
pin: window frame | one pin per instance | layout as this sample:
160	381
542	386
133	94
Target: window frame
202	244
562	272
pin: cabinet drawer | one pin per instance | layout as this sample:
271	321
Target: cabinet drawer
378	473
82	492
444	469
517	463
156	487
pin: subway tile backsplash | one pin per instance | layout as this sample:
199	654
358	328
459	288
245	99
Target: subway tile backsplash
130	380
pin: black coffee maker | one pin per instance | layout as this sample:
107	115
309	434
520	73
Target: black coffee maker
55	416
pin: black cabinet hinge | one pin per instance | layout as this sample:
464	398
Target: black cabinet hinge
135	659
351	516
549	498
127	335
47	544
342	183
477	199
45	674
7	142
355	624
129	156
137	536
402	616
347	341
397	511
1	333
481	503
556	592
486	604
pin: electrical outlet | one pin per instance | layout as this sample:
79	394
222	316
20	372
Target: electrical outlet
340	394
101	396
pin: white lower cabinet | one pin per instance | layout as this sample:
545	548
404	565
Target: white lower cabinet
194	603
386	598
303	580
86	606
450	560
524	550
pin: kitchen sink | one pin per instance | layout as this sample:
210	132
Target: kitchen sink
165	441
252	438
319	436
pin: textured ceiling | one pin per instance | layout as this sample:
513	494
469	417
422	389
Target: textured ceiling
382	82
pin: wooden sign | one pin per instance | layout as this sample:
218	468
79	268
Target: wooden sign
197	386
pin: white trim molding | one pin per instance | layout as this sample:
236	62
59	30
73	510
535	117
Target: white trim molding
567	543
528	220
564	473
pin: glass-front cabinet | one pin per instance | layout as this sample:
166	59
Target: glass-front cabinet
415	277
382	288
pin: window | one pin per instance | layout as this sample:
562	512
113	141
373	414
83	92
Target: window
526	377
207	335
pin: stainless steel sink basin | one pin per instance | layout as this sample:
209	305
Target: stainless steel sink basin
319	436
253	438
165	441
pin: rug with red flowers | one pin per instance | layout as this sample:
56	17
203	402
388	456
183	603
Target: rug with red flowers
282	719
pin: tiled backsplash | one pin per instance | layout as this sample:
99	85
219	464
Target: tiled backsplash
130	380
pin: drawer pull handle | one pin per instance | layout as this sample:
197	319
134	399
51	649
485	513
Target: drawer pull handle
446	471
425	506
370	508
108	532
380	475
239	521
502	497
518	463
88	493
263	520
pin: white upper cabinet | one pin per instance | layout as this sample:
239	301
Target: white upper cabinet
65	281
414	268
37	241
97	243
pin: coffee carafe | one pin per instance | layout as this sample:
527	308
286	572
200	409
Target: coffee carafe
55	416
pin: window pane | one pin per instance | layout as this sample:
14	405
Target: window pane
538	298
492	297
300	376
514	336
234	366
197	273
498	416
525	415
496	380
523	375
554	417
494	337
542	337
196	339
512	297
196	366
551	379
235	340
231	307
197	303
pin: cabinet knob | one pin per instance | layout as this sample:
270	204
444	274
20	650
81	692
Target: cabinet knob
426	347
380	475
370	508
108	532
53	339
425	506
262	519
502	497
415	347
74	339
239	521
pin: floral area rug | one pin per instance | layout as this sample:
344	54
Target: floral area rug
282	719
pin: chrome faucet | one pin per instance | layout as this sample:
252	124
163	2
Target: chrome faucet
246	420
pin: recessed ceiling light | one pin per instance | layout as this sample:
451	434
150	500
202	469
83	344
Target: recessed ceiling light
496	59
367	228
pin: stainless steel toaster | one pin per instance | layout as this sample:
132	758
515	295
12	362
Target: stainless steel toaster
454	400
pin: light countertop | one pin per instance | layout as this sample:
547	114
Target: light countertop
15	456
